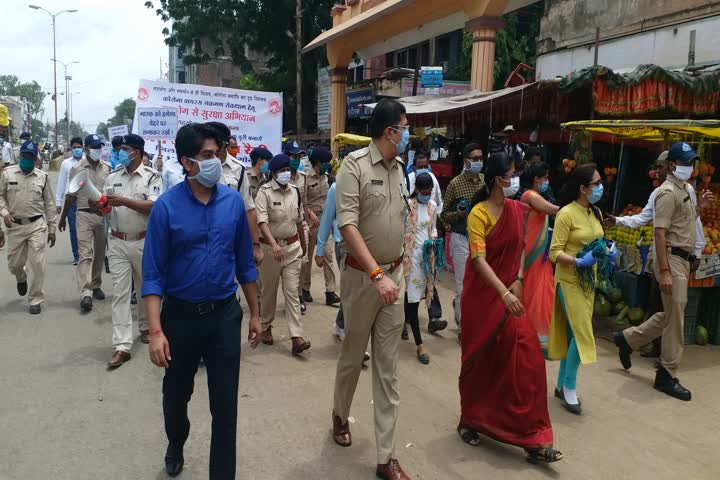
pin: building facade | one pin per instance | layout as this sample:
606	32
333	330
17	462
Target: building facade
20	116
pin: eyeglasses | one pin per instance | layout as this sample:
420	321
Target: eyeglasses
400	128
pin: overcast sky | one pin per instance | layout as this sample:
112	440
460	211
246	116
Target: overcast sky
117	42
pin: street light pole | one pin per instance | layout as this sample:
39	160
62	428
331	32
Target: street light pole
298	68
53	15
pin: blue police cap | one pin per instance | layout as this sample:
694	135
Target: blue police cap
134	141
681	152
260	152
320	154
31	147
292	148
93	142
278	162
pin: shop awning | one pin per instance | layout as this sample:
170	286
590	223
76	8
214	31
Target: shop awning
431	104
384	8
652	130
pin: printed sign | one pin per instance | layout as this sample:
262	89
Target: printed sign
709	267
355	99
157	123
118	131
431	77
254	118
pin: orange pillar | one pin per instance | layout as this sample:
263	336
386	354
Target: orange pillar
484	31
338	79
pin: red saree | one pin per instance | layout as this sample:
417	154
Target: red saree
503	390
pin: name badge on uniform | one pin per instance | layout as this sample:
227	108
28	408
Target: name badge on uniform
117	184
277	203
12	183
156	189
376	182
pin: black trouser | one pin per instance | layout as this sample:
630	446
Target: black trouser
411	317
214	336
340	318
435	309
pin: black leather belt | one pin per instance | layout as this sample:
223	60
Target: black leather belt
88	210
27	221
203	308
684	254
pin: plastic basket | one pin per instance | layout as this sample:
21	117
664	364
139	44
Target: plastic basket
692	311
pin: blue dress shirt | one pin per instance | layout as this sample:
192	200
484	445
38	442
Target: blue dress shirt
327	221
195	252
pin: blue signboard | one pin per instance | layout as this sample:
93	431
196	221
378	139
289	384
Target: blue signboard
355	100
431	77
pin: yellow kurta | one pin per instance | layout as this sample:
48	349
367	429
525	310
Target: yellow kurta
575	226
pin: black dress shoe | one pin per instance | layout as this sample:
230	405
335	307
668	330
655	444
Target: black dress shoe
435	325
35	309
331	299
624	350
307	298
86	304
174	460
666	383
22	288
133	299
656	350
98	294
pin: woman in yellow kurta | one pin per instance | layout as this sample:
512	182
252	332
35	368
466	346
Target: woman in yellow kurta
571	334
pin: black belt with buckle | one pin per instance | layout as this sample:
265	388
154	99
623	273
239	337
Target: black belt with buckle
203	308
27	221
684	254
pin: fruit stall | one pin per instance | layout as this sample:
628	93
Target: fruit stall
625	303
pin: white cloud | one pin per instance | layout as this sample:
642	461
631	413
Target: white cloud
117	42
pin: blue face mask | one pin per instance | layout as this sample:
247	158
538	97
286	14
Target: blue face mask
210	172
597	193
27	164
475	168
265	168
544	186
123	158
423	170
423	198
77	152
404	141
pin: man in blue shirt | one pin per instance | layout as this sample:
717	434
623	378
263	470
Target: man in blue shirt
198	247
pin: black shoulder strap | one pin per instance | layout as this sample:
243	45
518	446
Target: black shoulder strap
242	176
407	178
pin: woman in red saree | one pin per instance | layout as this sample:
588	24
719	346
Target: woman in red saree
503	390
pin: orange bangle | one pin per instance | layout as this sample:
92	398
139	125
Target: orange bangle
376	272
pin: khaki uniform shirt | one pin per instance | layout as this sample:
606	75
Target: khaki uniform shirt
300	181
143	184
279	208
97	175
25	196
374	199
317	188
232	170
676	211
254	181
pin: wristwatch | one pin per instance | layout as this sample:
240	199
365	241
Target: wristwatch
378	277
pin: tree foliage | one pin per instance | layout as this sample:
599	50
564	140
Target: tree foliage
10	85
212	29
124	113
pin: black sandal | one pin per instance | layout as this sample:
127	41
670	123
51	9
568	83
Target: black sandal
471	437
543	455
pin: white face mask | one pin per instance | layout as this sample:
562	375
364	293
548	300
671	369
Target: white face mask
513	188
283	178
683	173
96	154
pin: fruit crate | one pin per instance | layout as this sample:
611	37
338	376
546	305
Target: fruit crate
692	311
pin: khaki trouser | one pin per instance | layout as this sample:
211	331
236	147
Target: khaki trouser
670	323
328	266
366	318
26	249
271	271
125	259
91	249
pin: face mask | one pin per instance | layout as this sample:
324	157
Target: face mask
422	170
77	152
265	168
544	186
233	151
210	172
404	140
513	188
597	193
324	168
283	178
475	167
423	198
27	164
683	173
123	158
114	158
294	164
96	154
2	140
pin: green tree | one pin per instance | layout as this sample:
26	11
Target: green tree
37	130
10	85
124	112
225	27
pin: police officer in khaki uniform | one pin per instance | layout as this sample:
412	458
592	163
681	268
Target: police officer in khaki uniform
233	175
279	211
371	209
298	178
90	225
26	206
256	175
132	189
316	193
675	236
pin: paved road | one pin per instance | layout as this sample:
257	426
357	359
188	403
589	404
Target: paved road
64	416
